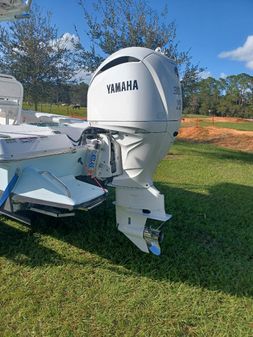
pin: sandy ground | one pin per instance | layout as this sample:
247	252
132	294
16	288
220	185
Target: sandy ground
229	138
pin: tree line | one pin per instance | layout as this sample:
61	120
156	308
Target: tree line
230	96
66	93
47	65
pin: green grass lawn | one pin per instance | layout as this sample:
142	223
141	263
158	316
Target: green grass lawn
195	116
242	126
81	277
66	110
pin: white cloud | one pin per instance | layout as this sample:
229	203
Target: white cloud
66	41
243	53
19	51
205	74
223	75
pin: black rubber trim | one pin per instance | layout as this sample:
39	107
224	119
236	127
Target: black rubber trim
119	60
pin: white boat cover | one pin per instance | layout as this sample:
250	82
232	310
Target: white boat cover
18	142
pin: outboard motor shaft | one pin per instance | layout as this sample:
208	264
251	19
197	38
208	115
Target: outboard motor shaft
136	94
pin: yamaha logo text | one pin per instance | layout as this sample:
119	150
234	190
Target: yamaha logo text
122	86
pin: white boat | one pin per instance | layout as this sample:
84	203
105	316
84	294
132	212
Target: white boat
134	110
14	9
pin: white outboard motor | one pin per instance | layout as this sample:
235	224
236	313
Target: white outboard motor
136	95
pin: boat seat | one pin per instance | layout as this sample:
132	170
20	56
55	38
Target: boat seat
11	99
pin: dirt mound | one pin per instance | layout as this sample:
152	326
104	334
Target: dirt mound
229	138
188	120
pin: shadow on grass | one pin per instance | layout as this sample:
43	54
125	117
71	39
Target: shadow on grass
208	243
225	154
24	247
214	152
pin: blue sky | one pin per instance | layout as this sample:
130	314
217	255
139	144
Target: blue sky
218	32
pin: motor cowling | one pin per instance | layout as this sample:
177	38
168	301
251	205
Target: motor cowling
136	94
135	88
